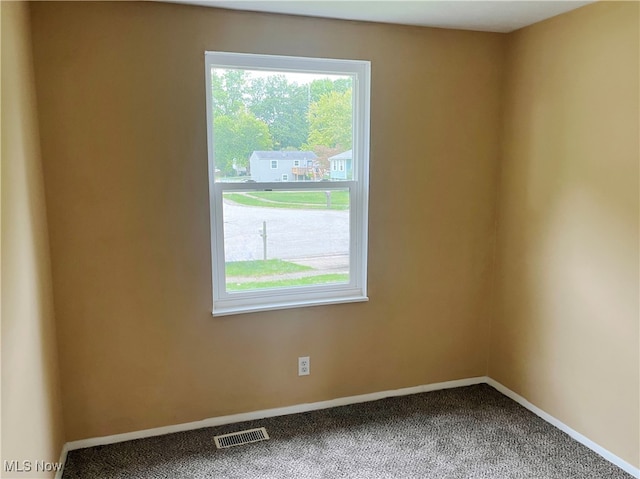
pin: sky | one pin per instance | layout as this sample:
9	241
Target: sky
299	78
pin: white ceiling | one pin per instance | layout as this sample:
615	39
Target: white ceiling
484	15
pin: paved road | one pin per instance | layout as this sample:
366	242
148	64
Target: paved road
291	233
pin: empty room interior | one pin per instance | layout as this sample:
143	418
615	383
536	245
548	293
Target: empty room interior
499	248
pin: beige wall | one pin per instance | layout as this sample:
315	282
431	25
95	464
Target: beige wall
122	108
31	408
121	105
566	331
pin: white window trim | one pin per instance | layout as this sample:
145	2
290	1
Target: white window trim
285	177
296	162
273	162
225	303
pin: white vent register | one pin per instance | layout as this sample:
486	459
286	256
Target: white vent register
241	438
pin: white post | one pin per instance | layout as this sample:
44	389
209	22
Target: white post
263	233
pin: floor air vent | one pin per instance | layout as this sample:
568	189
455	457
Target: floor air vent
241	437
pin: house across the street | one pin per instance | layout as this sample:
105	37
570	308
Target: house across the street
282	165
340	166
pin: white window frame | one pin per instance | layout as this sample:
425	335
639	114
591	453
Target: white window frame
226	303
296	162
285	177
272	163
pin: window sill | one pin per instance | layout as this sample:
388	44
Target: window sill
231	310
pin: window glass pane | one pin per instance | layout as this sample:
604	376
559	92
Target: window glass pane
270	125
284	239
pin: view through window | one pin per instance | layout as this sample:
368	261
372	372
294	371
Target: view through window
288	168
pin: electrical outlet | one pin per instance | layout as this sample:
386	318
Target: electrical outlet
304	366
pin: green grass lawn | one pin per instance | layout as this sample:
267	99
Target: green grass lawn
292	199
263	267
285	283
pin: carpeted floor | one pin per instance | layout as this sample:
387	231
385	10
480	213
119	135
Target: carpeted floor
469	432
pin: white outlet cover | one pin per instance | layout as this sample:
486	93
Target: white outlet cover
304	366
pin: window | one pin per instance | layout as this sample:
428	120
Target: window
278	242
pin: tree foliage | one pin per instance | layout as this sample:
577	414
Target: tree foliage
228	91
271	112
236	137
319	88
283	106
330	121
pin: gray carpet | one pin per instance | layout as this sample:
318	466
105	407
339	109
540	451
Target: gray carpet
469	432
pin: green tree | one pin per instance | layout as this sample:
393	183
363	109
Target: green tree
228	90
330	121
236	137
283	106
319	88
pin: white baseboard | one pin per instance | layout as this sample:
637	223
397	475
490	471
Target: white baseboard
62	460
281	411
299	408
608	455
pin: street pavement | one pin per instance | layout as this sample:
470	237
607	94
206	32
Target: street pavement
319	238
